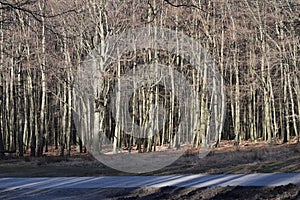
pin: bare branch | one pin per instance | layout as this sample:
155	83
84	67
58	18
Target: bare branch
182	5
36	15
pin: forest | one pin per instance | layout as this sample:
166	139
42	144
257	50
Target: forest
254	44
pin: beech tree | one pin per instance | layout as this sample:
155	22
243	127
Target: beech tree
43	46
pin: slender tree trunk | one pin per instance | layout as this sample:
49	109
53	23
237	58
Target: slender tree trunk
40	133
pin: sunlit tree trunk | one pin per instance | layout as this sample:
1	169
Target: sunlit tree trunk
42	62
1	85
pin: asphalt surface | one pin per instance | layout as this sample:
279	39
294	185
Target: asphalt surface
100	187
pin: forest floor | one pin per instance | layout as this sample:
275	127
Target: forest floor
226	159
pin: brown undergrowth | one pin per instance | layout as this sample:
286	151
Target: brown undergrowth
248	157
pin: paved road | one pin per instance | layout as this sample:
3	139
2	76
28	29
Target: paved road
36	187
198	181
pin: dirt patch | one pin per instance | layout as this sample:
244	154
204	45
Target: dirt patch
216	193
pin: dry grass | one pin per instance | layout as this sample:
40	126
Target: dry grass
248	158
